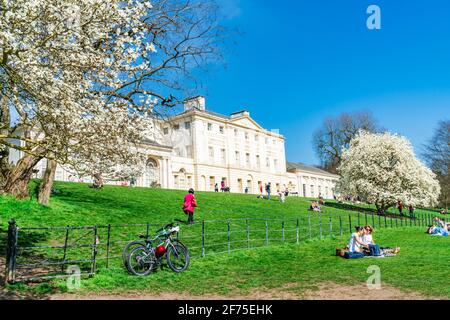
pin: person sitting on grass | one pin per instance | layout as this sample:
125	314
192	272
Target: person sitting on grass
315	207
440	229
374	249
356	246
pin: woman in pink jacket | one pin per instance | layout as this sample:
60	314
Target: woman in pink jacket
189	206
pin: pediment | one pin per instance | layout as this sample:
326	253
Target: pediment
247	123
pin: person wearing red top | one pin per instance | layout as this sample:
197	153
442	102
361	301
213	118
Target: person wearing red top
190	203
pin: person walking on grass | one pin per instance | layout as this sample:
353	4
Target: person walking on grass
190	203
216	188
268	191
400	207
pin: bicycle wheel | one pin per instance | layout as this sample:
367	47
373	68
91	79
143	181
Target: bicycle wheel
177	256
141	261
126	251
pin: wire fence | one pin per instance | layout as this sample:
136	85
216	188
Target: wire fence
34	254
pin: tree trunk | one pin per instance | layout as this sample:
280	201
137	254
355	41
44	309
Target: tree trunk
18	179
45	188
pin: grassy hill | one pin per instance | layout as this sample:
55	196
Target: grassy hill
422	265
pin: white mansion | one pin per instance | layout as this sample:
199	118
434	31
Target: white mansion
198	148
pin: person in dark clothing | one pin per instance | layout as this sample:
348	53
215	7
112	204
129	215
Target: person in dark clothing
268	190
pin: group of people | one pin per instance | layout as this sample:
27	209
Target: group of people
317	205
439	228
401	206
223	187
362	244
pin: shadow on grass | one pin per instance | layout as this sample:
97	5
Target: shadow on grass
370	211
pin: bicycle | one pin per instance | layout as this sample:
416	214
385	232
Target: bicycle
142	257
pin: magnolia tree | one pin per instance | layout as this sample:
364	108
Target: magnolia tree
79	78
382	169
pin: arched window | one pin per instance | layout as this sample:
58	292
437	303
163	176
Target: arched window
151	173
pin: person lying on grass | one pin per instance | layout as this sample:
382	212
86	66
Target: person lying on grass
440	229
374	249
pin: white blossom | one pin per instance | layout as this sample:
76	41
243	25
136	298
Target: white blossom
383	169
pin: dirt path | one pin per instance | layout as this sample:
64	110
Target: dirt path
326	291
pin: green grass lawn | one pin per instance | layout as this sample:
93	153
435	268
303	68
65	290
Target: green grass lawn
422	265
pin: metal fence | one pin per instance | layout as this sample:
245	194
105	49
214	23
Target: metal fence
45	253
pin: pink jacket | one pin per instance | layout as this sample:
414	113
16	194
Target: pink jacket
189	203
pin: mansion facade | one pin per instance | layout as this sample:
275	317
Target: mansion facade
199	149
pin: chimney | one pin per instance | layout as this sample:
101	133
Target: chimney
197	103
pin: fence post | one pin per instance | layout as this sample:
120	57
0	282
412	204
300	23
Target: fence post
147	230
248	233
401	222
331	227
340	225
94	253
385	221
366	217
373	220
65	248
267	232
359	219
396	222
282	231
203	238
298	231
379	221
320	225
11	252
350	222
229	237
108	243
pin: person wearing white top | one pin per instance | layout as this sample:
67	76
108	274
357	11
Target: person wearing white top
356	243
367	236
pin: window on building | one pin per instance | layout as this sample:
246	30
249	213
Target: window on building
247	159
236	132
221	129
258	162
223	156
266	140
209	126
312	190
275	163
166	131
176	127
256	138
267	162
274	142
187	125
246	135
211	154
189	151
237	157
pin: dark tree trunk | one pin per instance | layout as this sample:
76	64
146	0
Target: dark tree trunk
45	188
18	179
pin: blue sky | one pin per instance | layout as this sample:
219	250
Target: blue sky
297	62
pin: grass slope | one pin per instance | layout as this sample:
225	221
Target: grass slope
422	265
